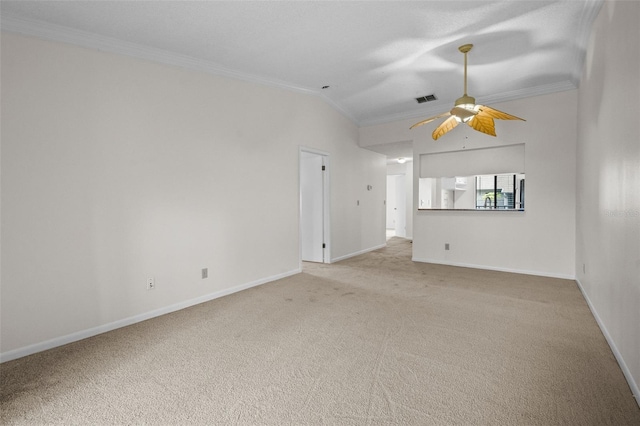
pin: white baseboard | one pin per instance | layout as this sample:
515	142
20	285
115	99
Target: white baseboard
623	366
83	334
358	253
492	268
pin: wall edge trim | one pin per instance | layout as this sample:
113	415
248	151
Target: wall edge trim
104	328
635	390
495	268
358	253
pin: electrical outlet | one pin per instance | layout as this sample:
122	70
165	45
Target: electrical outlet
151	283
446	246
205	273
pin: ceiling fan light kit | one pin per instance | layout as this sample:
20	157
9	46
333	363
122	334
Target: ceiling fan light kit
465	110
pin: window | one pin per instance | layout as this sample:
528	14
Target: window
480	192
504	191
480	179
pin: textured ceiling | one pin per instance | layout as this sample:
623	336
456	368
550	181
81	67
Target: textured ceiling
375	56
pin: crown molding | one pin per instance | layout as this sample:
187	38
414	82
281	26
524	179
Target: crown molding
62	34
588	16
544	89
340	109
48	31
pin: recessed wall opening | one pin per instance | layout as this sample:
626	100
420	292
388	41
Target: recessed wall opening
476	179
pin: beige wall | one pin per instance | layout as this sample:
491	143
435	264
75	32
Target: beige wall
540	240
608	185
116	169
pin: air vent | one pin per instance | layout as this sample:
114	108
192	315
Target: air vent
427	98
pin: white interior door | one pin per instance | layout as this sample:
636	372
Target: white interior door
397	205
401	206
312	208
391	202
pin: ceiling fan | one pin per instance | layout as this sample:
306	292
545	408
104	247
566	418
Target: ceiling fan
465	110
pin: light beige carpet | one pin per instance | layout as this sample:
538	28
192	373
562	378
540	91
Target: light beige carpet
375	339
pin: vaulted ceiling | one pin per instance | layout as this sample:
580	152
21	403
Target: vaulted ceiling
376	57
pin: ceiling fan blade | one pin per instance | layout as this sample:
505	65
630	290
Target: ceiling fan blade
443	128
494	113
429	120
465	110
484	124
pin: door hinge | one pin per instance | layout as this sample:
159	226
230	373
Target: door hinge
323	168
324	245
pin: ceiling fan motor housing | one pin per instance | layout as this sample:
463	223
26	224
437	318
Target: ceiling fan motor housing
464	109
465	100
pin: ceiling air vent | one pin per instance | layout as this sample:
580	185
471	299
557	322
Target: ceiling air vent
428	98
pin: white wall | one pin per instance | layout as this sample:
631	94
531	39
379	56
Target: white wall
608	185
540	240
116	169
409	198
357	214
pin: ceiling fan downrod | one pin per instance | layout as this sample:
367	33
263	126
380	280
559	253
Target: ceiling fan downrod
465	99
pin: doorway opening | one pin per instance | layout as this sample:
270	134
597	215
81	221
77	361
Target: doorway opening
314	206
